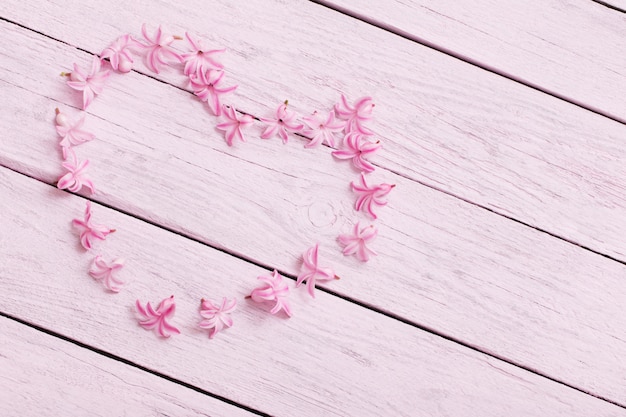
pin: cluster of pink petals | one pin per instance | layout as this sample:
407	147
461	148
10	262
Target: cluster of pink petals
118	53
159	49
355	115
206	85
282	124
70	132
100	270
370	196
311	272
216	318
275	289
356	243
75	178
199	60
357	147
158	319
320	130
90	83
88	230
233	124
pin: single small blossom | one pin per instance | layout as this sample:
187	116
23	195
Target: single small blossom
282	124
90	231
311	272
70	132
274	288
233	124
91	83
356	147
216	318
207	87
356	243
75	178
104	272
369	197
200	59
355	115
158	319
322	131
159	48
118	53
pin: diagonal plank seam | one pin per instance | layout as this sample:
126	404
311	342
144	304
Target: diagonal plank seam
433	187
484	66
133	364
609	5
357	302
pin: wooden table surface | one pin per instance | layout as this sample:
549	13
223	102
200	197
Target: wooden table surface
499	288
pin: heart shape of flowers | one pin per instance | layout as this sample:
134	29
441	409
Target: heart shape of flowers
346	125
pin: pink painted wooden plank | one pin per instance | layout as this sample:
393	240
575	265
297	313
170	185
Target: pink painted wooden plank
42	375
440	259
571	49
444	123
331	358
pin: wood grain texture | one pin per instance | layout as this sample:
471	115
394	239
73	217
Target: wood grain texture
573	49
444	264
45	376
444	123
331	358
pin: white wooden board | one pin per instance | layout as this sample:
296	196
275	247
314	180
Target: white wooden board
45	376
444	123
331	358
529	296
572	49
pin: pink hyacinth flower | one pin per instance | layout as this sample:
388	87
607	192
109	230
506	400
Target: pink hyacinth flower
370	197
355	115
207	87
233	124
158	319
75	178
118	53
159	48
356	243
275	289
311	272
216	318
70	132
90	231
320	130
91	83
104	272
357	147
282	124
200	59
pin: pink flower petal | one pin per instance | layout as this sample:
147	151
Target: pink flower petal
151	318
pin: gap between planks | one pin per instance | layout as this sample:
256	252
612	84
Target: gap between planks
389	27
129	383
161	81
132	364
397	354
286	274
548	205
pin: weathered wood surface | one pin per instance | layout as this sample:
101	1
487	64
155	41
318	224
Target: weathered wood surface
445	123
440	258
45	376
457	269
332	358
572	49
